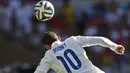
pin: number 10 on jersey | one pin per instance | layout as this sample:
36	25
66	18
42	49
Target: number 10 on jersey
75	67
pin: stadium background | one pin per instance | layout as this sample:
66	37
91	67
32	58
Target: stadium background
20	32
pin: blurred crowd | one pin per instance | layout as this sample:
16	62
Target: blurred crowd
108	18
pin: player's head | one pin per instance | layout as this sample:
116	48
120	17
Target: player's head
48	38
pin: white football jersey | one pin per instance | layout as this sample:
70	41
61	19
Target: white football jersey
70	57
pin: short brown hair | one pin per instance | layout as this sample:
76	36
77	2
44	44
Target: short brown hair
49	37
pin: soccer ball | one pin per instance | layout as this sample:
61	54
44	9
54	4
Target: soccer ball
44	10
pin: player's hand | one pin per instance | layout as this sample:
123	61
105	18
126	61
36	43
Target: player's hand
120	50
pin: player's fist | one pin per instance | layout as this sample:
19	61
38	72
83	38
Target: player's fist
120	50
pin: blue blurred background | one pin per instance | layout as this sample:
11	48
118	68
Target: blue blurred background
20	32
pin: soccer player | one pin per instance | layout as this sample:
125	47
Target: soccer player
69	56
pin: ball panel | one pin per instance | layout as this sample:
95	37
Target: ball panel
37	12
48	12
47	15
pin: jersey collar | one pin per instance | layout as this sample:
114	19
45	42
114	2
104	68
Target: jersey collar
56	43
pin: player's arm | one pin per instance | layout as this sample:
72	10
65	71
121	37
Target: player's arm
43	66
102	41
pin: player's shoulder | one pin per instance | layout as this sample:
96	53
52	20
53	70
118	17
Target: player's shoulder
72	38
48	55
71	41
48	52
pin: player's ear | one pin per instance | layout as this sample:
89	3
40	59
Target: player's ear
59	37
47	46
